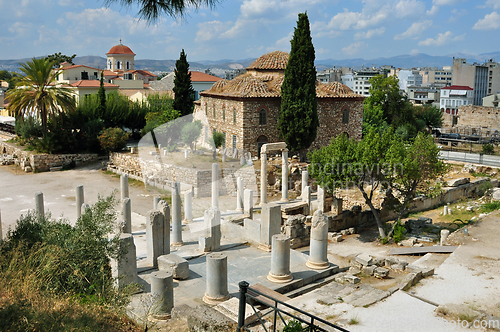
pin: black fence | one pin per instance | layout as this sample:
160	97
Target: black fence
279	310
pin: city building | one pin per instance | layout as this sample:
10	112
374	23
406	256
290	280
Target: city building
200	82
246	108
471	75
492	100
438	77
361	80
424	95
452	97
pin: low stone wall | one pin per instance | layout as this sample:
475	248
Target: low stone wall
32	162
162	175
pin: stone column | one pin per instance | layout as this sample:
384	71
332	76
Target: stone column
270	225
155	237
211	240
284	176
215	185
337	205
445	210
248	206
1	235
321	199
162	292
156	200
444	236
79	200
188	206
318	248
39	204
176	215
127	215
124	185
242	160
216	279
239	194
124	270
165	210
280	260
306	197
263	178
305	182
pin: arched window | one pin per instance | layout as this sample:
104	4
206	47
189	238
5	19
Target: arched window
223	112
128	65
234	115
110	64
213	107
345	116
118	64
262	117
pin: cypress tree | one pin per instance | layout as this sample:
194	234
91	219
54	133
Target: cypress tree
298	120
183	89
101	93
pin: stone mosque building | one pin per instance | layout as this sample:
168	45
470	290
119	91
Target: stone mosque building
246	108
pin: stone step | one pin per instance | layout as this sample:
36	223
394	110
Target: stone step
266	291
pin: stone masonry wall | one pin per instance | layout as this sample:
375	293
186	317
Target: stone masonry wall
162	176
31	161
247	128
471	116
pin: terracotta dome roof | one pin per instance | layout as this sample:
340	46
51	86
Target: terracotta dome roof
276	60
120	49
334	89
245	85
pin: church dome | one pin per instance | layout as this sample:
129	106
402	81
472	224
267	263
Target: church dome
334	89
276	60
120	49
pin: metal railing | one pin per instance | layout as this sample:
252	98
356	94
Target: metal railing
7	128
310	321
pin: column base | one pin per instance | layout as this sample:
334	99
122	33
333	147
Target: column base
161	316
215	300
264	247
284	199
317	266
280	279
177	244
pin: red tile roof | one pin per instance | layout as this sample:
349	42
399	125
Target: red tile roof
120	49
92	84
197	76
76	66
458	87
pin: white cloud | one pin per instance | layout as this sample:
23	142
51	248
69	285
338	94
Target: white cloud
441	39
414	52
210	30
414	30
406	8
456	14
493	3
256	8
433	10
370	33
20	28
445	2
353	48
285	41
489	22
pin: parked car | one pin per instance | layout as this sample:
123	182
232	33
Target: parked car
449	137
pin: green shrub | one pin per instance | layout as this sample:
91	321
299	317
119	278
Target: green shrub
113	139
488	149
399	233
293	326
54	256
28	128
491	206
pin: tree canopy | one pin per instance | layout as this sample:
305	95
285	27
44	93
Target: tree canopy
298	119
59	58
152	10
183	89
37	93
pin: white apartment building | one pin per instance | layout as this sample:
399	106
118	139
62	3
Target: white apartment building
409	78
348	79
361	81
454	96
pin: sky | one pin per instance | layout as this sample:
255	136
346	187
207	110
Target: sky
238	30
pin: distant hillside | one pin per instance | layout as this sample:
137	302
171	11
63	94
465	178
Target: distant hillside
220	66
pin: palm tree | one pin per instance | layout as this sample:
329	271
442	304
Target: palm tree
151	10
37	93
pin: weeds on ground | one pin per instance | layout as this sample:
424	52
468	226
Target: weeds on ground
490	207
57	277
354	321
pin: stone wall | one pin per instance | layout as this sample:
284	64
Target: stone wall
240	117
475	117
32	162
162	175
